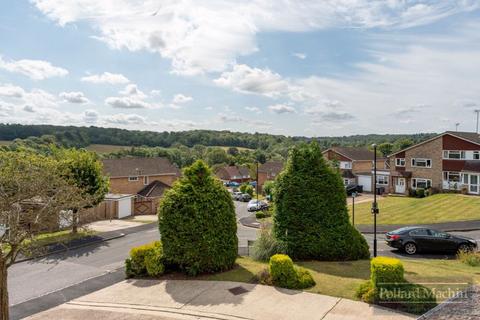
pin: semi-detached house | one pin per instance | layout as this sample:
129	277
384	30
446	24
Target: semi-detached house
449	161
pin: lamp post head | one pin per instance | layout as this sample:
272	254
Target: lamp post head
374	146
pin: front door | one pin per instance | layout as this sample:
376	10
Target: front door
400	185
474	184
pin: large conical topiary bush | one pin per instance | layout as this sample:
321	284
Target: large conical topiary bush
197	223
311	215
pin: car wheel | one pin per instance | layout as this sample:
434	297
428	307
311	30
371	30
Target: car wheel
410	248
464	248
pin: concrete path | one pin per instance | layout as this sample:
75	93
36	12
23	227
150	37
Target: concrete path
112	225
184	299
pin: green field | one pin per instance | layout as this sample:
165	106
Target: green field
341	279
106	148
433	209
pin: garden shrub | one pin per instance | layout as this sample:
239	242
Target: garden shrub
311	214
469	258
266	246
384	270
263	214
145	260
286	275
198	224
420	192
387	286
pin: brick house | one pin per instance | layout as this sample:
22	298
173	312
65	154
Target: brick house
449	161
356	165
146	178
268	171
238	174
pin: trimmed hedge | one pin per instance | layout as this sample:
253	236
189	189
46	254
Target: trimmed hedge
384	270
387	286
145	260
311	214
286	275
198	224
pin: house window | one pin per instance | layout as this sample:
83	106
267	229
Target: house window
420	183
133	178
145	180
346	182
382	180
453	154
400	162
345	165
450	176
476	155
422	163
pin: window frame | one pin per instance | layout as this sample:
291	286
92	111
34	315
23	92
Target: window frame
476	155
145	180
447	174
461	154
428	183
398	162
415	161
132	178
384	182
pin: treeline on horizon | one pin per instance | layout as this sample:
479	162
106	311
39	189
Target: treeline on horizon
79	137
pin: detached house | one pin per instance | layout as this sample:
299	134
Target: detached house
144	178
356	165
268	172
449	161
238	174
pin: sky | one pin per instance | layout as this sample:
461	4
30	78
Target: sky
302	68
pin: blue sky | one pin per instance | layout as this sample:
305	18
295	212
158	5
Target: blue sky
324	68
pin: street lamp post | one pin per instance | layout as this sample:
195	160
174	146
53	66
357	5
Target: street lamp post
374	205
256	183
354	194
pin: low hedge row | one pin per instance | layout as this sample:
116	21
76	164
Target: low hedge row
286	275
387	286
145	260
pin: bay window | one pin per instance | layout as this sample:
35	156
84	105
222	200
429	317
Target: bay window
420	183
450	176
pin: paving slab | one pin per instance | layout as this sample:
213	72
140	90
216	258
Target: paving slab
112	225
193	299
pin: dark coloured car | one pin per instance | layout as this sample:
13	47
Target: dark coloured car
421	239
351	188
245	197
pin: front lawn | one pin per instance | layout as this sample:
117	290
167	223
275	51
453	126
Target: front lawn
341	279
433	209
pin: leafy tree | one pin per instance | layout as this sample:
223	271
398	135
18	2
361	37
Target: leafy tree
233	151
83	169
33	195
216	155
269	187
197	223
310	210
385	148
403	144
260	156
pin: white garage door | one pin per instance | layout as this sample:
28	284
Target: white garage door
124	208
366	182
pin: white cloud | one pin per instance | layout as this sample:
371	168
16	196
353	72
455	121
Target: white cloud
208	36
34	69
125	119
106	77
5	109
253	109
180	99
28	108
127	103
299	55
222	117
90	116
282	108
74	97
11	91
40	99
245	79
133	91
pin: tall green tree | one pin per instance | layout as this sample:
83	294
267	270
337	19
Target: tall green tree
84	170
197	223
311	215
33	196
385	148
403	143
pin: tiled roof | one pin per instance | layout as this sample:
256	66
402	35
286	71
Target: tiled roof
125	167
355	153
235	171
471	136
271	167
154	189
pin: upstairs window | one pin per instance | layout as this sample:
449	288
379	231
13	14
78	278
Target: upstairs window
133	178
453	154
400	162
421	163
145	180
476	155
345	165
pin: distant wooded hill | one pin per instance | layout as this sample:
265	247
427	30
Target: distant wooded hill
84	136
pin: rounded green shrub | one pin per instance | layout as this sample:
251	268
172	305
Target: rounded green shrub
197	223
154	261
282	271
311	214
385	270
145	260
